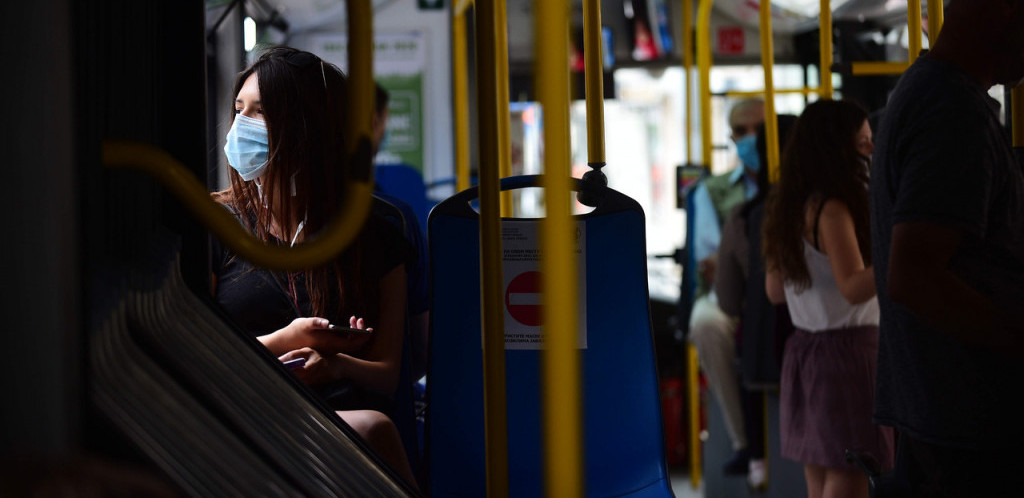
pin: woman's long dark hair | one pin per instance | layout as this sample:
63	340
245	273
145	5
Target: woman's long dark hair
820	162
304	106
785	125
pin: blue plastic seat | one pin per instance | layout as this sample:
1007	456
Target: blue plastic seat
622	427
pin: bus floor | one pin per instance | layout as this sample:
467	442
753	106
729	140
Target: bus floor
785	477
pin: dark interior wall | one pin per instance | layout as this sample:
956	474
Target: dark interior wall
140	76
77	73
40	248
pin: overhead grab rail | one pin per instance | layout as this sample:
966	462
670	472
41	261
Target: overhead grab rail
560	362
356	205
860	68
491	283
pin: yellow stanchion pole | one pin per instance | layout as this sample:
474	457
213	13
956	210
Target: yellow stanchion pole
560	363
493	318
825	47
594	74
704	75
771	126
460	95
693	386
687	48
504	137
913	30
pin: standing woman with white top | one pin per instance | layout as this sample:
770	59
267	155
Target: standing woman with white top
817	252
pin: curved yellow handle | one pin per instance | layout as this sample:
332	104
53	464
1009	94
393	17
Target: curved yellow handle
176	178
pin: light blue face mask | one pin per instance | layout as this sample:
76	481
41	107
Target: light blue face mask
746	148
247	146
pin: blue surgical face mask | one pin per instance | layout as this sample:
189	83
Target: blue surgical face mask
746	148
247	147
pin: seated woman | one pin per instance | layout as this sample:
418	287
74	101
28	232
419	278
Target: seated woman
289	165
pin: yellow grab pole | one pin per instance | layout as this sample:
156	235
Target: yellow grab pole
560	363
825	47
594	74
504	138
913	29
491	284
1017	120
460	96
687	48
360	57
771	125
693	386
704	74
935	16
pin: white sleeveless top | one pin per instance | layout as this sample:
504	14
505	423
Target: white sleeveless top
821	306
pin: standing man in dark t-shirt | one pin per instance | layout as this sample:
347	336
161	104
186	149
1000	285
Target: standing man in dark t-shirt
947	215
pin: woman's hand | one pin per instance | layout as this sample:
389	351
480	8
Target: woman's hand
319	369
314	332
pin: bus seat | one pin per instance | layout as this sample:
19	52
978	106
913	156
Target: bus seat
622	427
406	183
404	414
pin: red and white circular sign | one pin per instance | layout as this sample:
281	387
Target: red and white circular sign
522	298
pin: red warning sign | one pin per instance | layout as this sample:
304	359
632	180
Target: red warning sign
522	298
731	40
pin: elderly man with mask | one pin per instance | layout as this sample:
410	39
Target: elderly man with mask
711	331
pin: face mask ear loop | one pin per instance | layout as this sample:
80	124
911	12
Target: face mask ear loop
298	230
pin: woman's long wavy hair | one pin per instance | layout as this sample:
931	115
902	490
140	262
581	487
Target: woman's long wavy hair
820	162
304	106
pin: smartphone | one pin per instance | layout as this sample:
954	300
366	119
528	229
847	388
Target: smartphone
348	330
295	364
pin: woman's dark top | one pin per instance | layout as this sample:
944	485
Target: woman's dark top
261	301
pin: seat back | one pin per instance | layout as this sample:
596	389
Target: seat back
622	428
406	183
404	413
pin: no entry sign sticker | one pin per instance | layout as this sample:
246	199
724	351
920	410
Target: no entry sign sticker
523	284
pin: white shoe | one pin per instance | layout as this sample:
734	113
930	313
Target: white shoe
757	476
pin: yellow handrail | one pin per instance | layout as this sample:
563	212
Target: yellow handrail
771	127
704	74
935	16
360	67
460	96
594	74
560	362
179	180
878	68
760	93
491	283
355	206
825	47
1017	120
504	138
